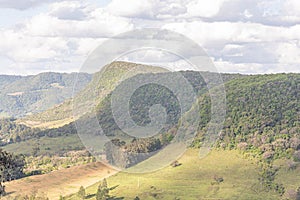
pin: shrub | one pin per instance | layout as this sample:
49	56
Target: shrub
292	194
296	156
291	165
175	163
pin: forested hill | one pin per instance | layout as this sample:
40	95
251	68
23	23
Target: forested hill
262	113
22	95
96	90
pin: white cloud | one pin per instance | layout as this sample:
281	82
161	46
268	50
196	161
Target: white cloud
72	10
22	48
207	33
204	8
211	34
257	46
275	12
242	35
132	8
19	4
255	68
24	4
98	24
148	9
59	38
291	10
288	53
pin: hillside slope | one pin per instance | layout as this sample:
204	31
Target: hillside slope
102	83
262	113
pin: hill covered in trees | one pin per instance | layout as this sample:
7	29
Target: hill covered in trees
262	122
102	83
262	111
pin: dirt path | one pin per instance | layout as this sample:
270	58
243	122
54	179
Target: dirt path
61	182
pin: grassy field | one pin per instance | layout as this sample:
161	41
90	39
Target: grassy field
46	145
47	124
194	179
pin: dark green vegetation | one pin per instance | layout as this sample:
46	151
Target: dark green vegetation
22	95
102	192
11	167
140	103
13	132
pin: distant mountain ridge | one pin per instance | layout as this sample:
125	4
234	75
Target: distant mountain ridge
23	95
7	79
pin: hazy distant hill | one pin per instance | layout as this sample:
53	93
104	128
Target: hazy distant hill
7	79
22	95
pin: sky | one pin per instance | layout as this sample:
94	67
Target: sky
240	36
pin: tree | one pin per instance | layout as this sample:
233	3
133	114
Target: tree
104	183
61	197
11	167
81	193
102	191
35	150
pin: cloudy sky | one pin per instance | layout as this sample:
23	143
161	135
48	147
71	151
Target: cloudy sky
245	36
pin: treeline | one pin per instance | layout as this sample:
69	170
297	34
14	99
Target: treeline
13	132
125	155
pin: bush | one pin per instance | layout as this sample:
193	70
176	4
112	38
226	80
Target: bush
291	165
296	156
292	194
175	163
